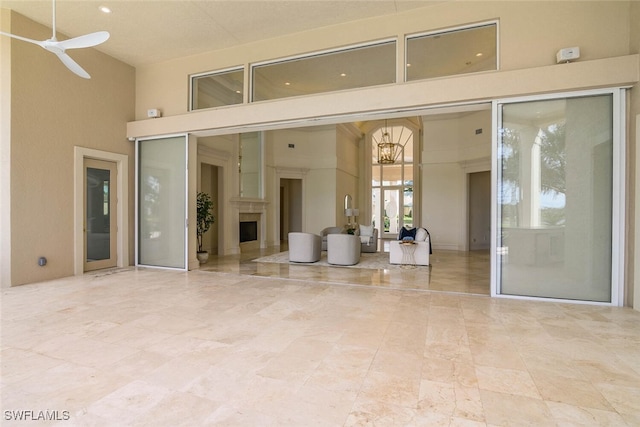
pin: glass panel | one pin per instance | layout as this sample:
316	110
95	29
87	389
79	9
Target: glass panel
455	52
408	174
98	210
391	211
346	69
250	165
376	209
407	219
216	90
392	174
402	136
162	202
555	198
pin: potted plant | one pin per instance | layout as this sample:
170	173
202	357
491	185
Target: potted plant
205	219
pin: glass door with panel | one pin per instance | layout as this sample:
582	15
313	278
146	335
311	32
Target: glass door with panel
100	214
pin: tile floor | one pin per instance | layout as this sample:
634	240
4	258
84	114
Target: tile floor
450	271
149	347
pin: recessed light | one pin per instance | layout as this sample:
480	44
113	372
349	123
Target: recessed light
343	75
479	54
287	84
238	91
104	9
408	65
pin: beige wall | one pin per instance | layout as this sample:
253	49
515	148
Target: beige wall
52	111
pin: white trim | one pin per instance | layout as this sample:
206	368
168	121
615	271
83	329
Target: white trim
323	52
496	119
555	300
619	198
618	192
122	194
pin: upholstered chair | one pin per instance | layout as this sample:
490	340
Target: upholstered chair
368	238
304	247
343	249
325	232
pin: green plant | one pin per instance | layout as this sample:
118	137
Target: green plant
205	216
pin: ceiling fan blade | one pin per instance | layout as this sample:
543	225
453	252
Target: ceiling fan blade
24	39
72	65
88	40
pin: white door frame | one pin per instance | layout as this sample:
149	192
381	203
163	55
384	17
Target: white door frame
122	208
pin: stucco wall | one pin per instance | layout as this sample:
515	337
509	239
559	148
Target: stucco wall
52	111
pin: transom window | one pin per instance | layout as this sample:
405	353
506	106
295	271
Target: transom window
448	53
350	68
217	89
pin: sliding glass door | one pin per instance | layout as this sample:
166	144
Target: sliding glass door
556	183
162	201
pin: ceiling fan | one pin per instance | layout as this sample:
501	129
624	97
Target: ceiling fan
59	47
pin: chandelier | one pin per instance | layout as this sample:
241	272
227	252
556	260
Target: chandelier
387	150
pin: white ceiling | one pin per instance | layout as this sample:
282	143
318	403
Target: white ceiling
148	31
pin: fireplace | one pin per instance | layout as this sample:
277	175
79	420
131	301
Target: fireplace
248	231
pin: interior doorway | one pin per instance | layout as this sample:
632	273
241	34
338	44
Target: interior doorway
480	211
100	214
290	207
210	179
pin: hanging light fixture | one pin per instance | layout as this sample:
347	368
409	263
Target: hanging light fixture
386	148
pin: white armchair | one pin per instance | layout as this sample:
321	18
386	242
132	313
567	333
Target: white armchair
343	249
304	247
420	254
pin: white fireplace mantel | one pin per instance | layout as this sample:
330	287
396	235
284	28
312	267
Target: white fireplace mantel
247	205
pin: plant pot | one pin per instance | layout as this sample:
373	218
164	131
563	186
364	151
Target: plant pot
203	257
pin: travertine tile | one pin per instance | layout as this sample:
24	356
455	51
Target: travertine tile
565	414
504	409
257	346
510	381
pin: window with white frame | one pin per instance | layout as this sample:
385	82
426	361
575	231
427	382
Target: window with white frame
217	89
451	52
